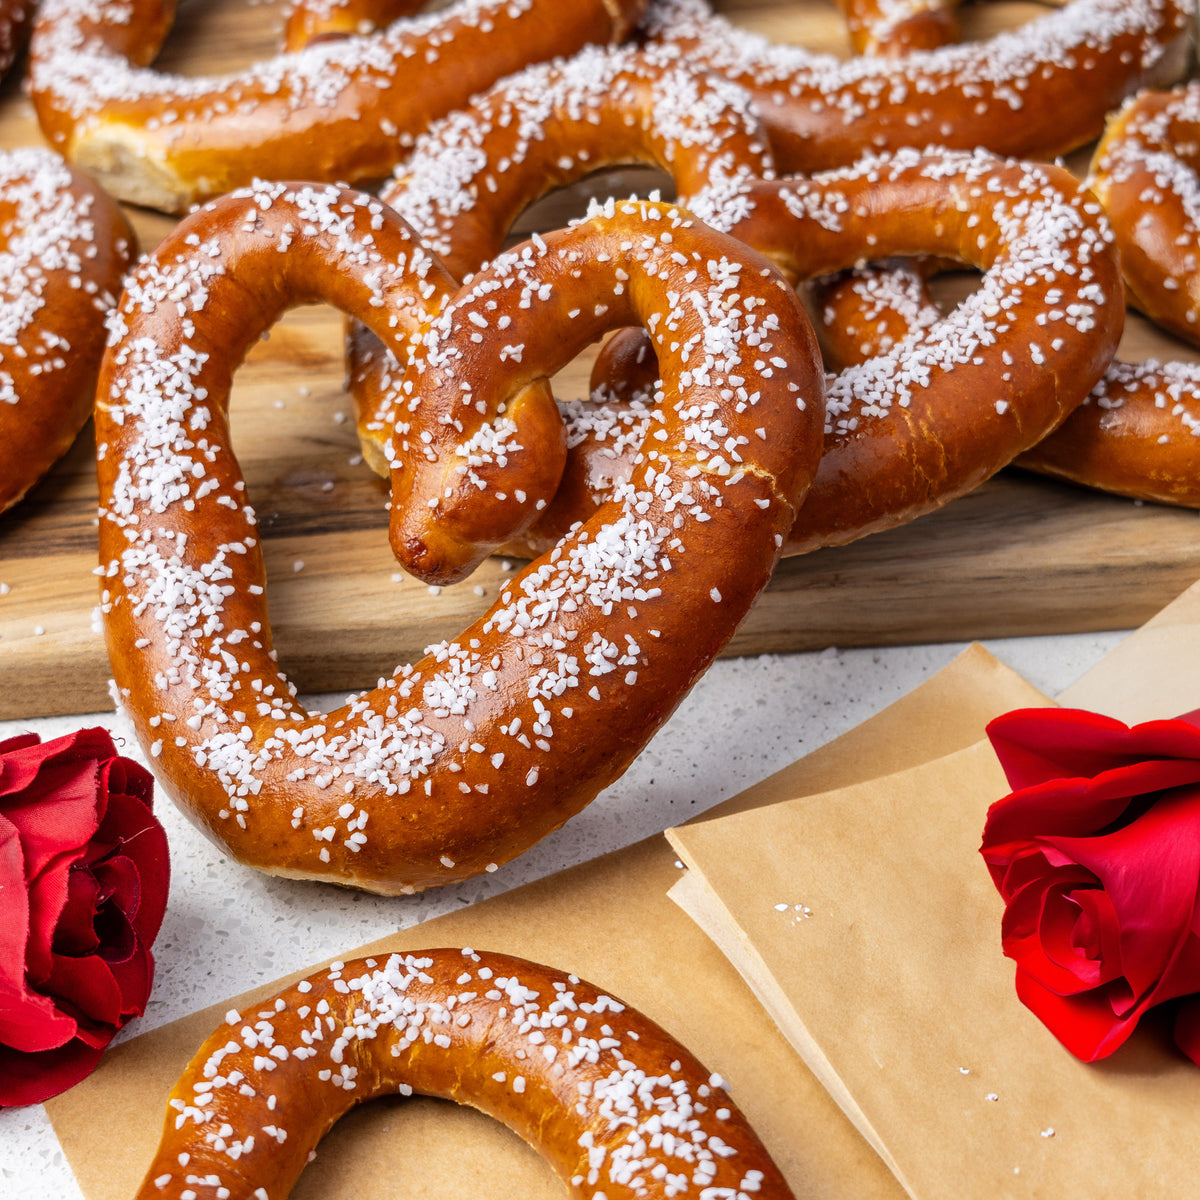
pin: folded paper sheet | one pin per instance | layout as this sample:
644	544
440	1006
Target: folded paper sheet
612	922
865	920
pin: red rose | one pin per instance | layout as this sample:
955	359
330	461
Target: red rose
83	886
1097	855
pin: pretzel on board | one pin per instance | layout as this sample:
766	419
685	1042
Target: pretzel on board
1144	172
1036	91
475	171
347	108
932	416
66	246
1137	433
459	763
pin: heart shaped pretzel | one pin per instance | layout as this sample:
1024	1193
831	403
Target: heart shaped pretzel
457	764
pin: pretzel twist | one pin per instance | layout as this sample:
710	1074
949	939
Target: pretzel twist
475	171
1136	434
1144	173
614	1103
935	415
64	247
494	739
343	109
1037	91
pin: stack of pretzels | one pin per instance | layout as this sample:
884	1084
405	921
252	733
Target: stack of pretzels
722	432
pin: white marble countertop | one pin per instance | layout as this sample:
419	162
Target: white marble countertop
228	928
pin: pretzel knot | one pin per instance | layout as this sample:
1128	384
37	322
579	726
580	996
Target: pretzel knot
494	739
65	246
343	109
616	1105
473	172
935	414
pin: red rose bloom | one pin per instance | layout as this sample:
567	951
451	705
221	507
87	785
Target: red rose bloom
83	886
1097	855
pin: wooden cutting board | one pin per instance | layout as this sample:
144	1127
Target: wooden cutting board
1020	556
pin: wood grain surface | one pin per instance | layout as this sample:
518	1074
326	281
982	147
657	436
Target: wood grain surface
1019	556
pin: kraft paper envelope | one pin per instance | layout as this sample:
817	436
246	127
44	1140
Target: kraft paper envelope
610	921
866	922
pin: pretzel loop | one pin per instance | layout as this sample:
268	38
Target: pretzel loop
934	415
473	173
1137	433
1037	91
615	1104
1144	172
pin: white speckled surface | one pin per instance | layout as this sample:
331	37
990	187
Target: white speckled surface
228	928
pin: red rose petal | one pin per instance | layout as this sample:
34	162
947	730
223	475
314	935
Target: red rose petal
143	842
20	742
1085	1024
32	1022
1098	931
14	902
1024	940
1079	807
1150	870
75	933
118	879
32	1078
133	976
85	988
1039	744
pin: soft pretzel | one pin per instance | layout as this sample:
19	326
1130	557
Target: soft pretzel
1144	173
1136	434
494	739
306	20
347	108
1037	91
896	27
475	171
933	416
64	247
616	1105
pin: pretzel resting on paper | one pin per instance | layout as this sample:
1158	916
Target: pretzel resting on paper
66	246
459	763
614	1103
346	108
